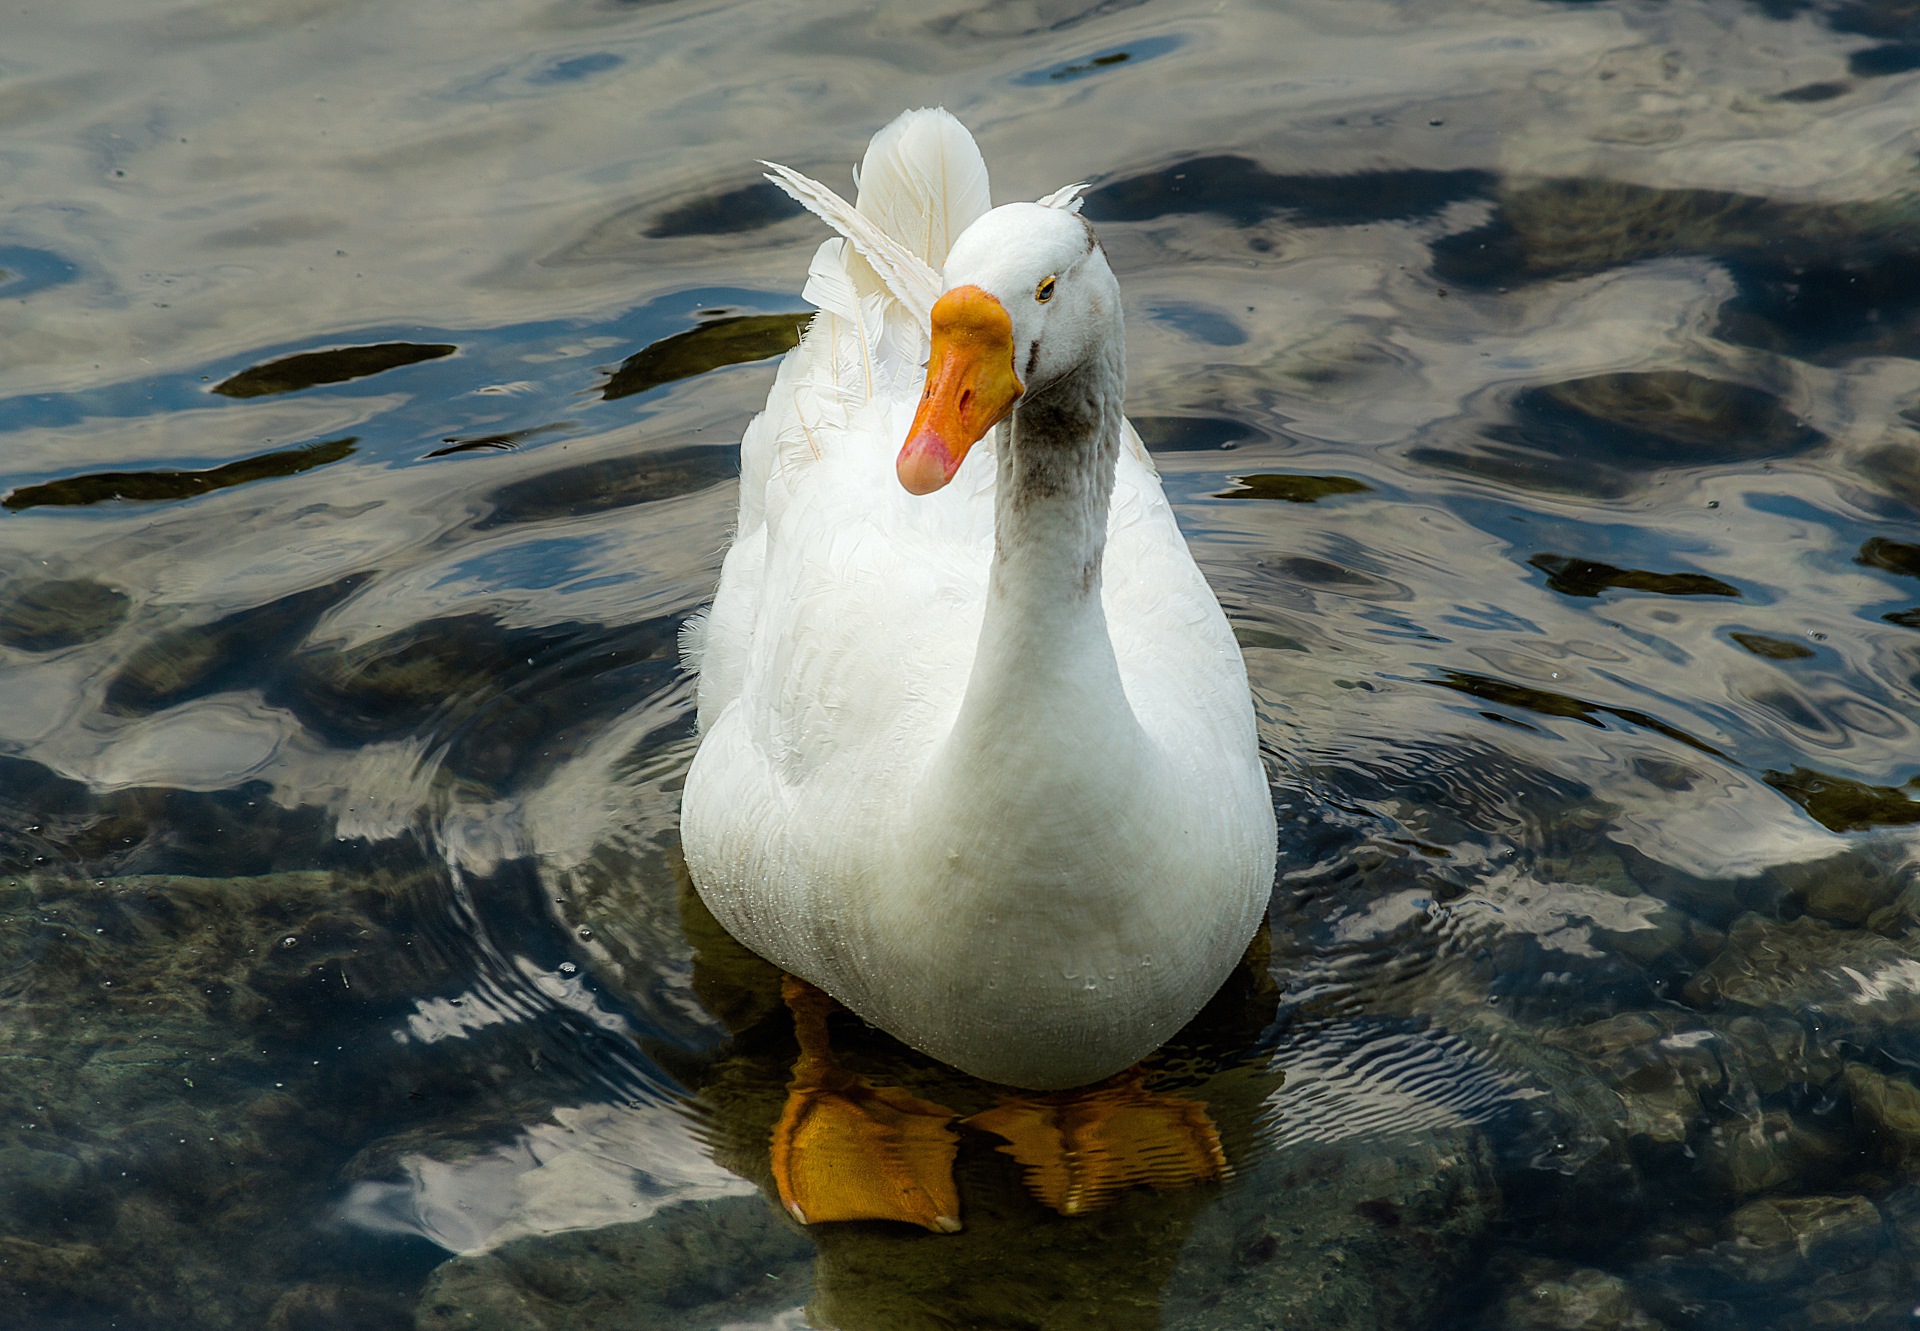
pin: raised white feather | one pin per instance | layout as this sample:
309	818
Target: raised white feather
1067	197
825	820
908	276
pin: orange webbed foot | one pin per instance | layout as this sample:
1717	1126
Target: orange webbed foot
845	1149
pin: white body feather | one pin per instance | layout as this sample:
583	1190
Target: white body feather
1048	902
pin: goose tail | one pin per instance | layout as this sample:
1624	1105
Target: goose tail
922	183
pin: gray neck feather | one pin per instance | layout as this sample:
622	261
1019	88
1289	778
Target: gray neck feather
1056	483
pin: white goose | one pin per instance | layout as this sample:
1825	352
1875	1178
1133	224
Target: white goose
977	756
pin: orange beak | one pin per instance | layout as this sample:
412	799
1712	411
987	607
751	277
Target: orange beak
970	389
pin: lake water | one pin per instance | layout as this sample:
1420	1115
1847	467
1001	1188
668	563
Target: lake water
1537	383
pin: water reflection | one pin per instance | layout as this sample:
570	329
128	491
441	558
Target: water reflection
154	486
341	724
310	368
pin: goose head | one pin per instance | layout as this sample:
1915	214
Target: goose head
1028	299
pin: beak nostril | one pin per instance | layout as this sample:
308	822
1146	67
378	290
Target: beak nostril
970	386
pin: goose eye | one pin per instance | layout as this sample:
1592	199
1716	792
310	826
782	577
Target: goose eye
1044	292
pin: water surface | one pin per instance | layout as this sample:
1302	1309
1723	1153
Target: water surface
1537	383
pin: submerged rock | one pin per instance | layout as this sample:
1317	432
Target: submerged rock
1362	1233
687	1268
1849	888
328	1307
1658	1063
1777	1238
1889	1109
1578	1299
1847	977
48	615
163	1155
1764	1151
1660	417
1788	1261
1776	1052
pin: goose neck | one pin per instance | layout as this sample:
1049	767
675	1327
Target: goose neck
1054	488
1046	757
1044	663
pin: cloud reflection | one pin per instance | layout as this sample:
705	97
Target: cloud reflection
593	1165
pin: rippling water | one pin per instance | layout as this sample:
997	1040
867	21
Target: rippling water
1538	384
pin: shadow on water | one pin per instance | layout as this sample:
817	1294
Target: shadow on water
749	208
290	374
1546	702
601	487
1291	489
1240	191
159	486
1588	577
1844	805
1068	71
1605	435
1826	282
733	340
48	615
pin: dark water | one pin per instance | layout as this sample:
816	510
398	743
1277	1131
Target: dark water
1538	384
